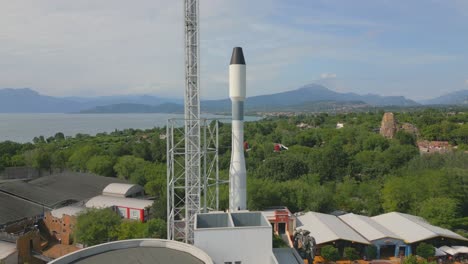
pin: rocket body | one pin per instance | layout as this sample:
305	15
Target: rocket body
237	171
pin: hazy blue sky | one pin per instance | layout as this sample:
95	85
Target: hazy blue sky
416	48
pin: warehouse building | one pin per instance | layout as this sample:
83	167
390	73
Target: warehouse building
394	234
330	230
26	199
414	230
388	243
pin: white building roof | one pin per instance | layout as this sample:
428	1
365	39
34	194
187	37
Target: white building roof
448	250
413	228
439	252
367	227
461	249
103	201
6	249
327	228
67	210
121	189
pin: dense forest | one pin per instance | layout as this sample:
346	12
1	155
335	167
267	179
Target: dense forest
325	169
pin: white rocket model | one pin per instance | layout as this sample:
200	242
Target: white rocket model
237	171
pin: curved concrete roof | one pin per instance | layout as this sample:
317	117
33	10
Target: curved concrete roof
103	201
138	251
121	189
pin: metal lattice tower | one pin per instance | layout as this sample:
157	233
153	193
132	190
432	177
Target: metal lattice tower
192	152
192	119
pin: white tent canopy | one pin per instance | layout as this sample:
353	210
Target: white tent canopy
448	250
439	253
461	249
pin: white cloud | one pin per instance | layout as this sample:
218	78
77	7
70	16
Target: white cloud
328	75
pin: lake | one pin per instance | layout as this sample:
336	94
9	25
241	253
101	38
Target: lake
24	127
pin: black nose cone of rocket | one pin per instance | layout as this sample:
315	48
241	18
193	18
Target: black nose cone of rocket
237	56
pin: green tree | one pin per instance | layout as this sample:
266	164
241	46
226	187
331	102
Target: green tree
101	165
157	228
41	159
80	157
439	211
405	138
330	253
97	226
425	250
129	229
126	165
350	253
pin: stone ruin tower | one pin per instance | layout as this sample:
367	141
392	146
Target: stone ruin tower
388	127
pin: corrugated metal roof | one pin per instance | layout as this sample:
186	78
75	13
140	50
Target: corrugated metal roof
13	209
6	249
367	227
103	201
55	189
121	189
327	228
413	228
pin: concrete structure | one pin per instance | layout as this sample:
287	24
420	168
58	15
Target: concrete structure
129	208
8	253
123	190
143	251
240	237
237	93
287	256
282	221
388	243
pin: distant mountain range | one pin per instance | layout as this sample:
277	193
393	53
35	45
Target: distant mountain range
455	98
307	98
26	100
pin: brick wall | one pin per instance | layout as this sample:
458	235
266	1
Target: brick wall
60	228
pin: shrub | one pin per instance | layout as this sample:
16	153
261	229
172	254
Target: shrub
350	254
411	259
425	250
330	253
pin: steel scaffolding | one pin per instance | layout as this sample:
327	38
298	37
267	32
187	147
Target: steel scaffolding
180	203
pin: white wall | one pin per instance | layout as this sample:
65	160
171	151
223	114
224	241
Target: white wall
250	245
